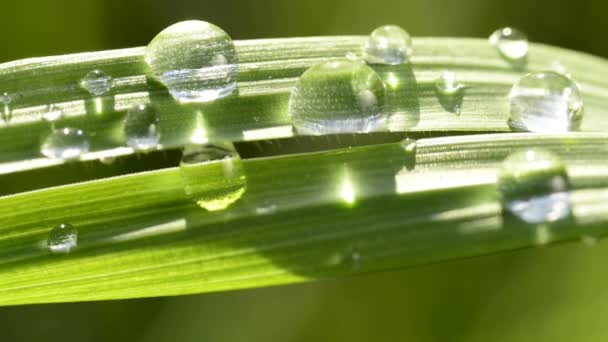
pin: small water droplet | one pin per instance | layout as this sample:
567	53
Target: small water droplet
409	145
545	102
65	143
97	83
195	60
533	185
52	113
141	128
449	92
388	44
62	239
511	43
335	97
213	175
266	210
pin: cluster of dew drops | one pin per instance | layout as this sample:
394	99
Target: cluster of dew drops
197	62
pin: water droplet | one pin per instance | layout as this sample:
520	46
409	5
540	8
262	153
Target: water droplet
65	143
195	60
213	175
52	113
409	145
545	102
266	209
141	128
97	83
511	43
446	84
533	185
62	239
449	92
388	44
335	97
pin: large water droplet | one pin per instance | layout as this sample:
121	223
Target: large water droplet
340	96
52	113
97	83
545	102
62	239
195	60
533	185
388	44
511	43
141	128
213	175
65	143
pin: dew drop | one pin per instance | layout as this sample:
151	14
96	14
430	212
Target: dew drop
213	175
449	92
195	60
533	185
97	83
511	43
545	102
62	239
65	143
141	128
446	84
409	145
340	96
388	44
52	113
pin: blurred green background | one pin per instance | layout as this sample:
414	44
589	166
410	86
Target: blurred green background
547	294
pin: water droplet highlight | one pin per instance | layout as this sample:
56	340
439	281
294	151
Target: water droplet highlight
511	43
336	97
65	143
97	83
545	102
141	128
195	60
388	44
533	185
52	113
62	239
213	175
409	145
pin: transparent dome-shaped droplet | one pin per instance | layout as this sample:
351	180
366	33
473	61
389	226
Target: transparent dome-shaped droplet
97	83
62	239
195	60
446	84
545	102
65	143
141	128
52	113
388	44
335	97
213	175
449	91
533	185
409	145
511	43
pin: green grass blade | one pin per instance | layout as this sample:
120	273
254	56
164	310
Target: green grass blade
302	217
268	70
